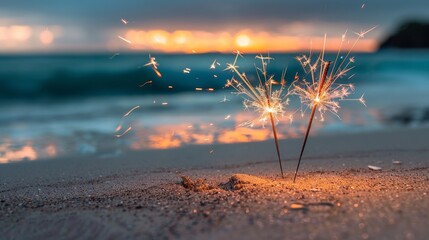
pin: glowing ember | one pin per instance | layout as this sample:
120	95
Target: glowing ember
213	65
124	21
225	99
154	65
125	40
186	70
147	82
120	125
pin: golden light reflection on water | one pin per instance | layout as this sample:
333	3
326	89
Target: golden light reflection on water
167	136
27	152
9	154
177	135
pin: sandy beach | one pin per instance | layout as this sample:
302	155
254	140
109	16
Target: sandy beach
234	192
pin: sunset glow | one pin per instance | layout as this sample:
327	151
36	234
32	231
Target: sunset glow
226	42
46	37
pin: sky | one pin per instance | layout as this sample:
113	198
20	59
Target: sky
197	25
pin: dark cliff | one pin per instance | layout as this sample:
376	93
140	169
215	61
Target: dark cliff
410	35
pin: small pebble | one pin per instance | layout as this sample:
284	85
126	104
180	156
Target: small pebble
297	206
375	168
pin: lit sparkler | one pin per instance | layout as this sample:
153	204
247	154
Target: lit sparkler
268	103
323	93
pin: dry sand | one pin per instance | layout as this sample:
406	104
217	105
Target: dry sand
129	197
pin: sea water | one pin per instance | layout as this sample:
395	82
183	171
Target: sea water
61	105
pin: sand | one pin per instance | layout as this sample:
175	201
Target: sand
235	193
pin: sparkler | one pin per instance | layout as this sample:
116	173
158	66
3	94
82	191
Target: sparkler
322	93
269	104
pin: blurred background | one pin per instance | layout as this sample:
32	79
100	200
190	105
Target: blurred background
69	71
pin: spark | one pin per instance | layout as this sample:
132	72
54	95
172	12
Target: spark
170	87
186	70
154	65
131	110
362	100
268	103
363	5
122	134
113	56
125	40
120	125
147	82
322	93
225	99
215	76
227	117
198	89
362	33
124	21
211	151
210	89
213	65
165	103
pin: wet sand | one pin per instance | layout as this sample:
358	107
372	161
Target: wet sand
243	197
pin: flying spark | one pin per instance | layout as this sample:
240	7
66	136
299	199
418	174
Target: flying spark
154	65
120	125
186	70
113	56
225	99
125	40
124	21
147	82
213	65
125	132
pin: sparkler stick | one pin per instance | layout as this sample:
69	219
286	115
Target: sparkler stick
273	126
313	111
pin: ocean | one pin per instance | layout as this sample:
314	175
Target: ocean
58	105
